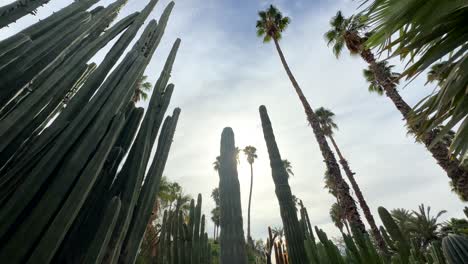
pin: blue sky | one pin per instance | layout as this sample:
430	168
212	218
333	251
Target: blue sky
223	73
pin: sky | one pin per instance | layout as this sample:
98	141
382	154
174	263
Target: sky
223	73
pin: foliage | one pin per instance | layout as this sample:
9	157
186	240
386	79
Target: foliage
271	24
288	167
341	33
251	154
142	87
374	85
402	27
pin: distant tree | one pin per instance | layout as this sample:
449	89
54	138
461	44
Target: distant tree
142	87
425	226
287	165
338	218
327	122
251	154
216	164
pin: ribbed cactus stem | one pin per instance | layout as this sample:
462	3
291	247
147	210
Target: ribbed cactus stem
232	240
98	246
149	190
136	163
401	243
294	236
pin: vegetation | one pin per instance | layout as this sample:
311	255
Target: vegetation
81	166
270	27
327	123
353	32
251	154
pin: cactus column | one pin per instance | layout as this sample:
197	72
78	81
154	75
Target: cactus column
293	231
232	241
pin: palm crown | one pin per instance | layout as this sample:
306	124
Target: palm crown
288	167
251	153
345	31
216	164
141	88
374	85
271	24
325	117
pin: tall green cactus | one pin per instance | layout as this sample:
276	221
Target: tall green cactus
401	243
293	231
232	241
149	190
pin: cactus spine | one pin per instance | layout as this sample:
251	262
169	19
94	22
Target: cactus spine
293	231
231	239
11	12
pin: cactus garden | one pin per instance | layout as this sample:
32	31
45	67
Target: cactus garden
270	149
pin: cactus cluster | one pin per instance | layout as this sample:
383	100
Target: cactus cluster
66	127
361	250
184	240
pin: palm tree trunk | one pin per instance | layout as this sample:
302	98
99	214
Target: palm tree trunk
349	205
439	151
365	208
249	237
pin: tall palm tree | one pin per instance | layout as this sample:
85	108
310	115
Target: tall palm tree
287	165
325	117
251	154
142	87
427	32
270	26
350	32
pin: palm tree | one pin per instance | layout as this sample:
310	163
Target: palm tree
338	218
287	165
403	218
349	32
251	153
141	89
325	117
215	212
270	26
215	217
427	32
425	226
216	163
